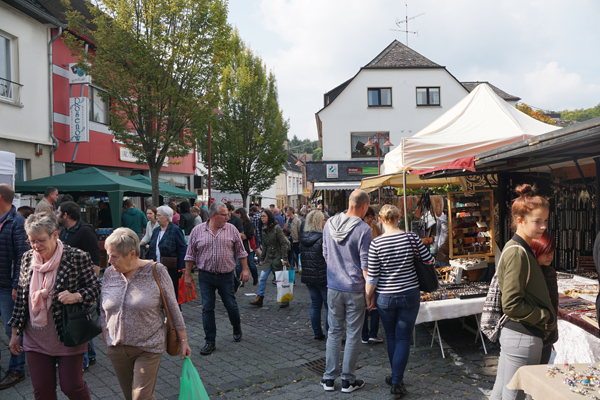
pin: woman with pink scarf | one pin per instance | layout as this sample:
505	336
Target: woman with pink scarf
52	274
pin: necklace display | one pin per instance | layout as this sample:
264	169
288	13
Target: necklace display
588	379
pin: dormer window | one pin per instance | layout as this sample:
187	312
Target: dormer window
428	96
380	97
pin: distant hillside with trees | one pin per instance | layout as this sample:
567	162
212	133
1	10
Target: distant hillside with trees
306	146
581	114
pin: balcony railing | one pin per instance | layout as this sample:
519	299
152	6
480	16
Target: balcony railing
10	91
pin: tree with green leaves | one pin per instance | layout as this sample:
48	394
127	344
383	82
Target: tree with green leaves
160	63
535	114
318	154
248	142
580	114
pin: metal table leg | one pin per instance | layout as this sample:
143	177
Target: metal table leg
437	329
480	334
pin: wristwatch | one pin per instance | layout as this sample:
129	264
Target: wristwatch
80	298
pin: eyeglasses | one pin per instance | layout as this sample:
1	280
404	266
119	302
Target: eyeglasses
36	242
224	215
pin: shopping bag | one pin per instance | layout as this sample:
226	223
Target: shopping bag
185	293
191	385
285	285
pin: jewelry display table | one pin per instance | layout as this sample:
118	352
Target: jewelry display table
575	345
532	379
433	311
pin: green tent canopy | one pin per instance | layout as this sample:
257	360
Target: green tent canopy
164	188
91	181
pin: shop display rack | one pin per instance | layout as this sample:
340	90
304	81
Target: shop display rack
471	220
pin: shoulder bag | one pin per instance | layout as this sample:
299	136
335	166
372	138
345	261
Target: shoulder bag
173	347
492	317
428	280
80	324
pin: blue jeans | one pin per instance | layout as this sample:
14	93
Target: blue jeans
262	283
91	353
16	363
251	267
318	296
374	328
398	313
293	255
223	283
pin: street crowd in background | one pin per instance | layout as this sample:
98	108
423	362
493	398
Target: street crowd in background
358	267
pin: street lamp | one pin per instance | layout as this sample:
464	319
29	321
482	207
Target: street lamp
300	164
378	136
219	116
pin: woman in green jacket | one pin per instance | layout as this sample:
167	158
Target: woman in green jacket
274	252
525	298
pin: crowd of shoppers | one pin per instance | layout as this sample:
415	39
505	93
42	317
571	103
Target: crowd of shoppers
356	264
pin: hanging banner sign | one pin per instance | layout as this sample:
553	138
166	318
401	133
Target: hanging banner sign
80	118
77	76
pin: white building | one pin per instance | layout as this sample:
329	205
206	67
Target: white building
25	87
397	94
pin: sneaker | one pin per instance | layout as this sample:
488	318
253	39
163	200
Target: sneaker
328	385
92	360
365	341
348	387
375	339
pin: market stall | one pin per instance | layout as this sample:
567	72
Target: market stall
562	382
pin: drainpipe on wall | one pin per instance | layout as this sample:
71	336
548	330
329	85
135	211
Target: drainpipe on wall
51	116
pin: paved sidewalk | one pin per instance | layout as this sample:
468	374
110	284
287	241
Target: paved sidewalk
268	362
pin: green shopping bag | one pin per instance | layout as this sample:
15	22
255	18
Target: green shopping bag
191	385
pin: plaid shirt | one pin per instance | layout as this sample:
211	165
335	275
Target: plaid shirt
75	274
215	253
257	229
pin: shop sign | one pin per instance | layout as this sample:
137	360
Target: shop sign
79	119
332	170
77	75
363	171
127	156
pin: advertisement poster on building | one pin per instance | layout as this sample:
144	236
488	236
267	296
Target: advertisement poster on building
79	119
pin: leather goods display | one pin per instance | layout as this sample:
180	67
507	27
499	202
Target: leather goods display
169	262
428	280
80	324
173	347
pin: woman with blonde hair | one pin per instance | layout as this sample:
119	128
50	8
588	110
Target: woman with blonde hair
314	269
133	315
393	288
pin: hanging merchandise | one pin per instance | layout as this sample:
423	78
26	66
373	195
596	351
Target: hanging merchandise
471	220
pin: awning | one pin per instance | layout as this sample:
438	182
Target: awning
395	180
336	185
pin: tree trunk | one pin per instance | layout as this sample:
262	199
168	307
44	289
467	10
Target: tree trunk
244	198
154	170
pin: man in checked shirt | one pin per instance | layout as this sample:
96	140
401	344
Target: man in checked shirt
214	246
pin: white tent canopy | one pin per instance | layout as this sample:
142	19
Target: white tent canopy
480	122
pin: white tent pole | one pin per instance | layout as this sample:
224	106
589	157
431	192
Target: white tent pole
405	207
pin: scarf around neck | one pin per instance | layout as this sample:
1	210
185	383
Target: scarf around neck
41	285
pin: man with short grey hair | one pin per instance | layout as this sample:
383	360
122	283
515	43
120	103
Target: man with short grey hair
214	247
346	241
202	213
47	203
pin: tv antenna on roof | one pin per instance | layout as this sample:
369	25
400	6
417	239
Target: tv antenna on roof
399	23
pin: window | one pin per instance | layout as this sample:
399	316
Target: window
380	97
21	170
428	96
99	109
8	89
358	145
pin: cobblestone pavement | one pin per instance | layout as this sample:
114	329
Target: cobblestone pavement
268	362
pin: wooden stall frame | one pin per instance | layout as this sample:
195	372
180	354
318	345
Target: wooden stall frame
490	224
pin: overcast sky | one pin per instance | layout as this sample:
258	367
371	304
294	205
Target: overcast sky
546	52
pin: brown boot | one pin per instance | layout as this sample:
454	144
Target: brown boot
258	301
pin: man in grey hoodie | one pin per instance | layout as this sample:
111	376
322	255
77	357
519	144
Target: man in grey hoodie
346	241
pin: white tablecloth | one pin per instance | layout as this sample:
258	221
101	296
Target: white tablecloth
447	309
575	345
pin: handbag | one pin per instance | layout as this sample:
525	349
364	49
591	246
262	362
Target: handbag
492	317
428	280
80	324
185	293
169	262
173	347
285	285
